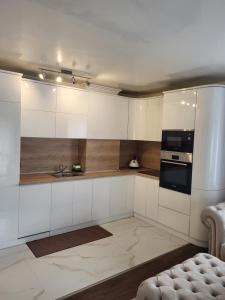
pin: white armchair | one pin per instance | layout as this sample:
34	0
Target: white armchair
213	217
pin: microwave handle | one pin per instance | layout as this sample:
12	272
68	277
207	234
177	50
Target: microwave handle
174	163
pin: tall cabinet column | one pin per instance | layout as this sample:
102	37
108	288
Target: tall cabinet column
208	179
10	96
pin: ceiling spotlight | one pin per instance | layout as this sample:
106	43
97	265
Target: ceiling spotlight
73	79
42	76
87	83
58	79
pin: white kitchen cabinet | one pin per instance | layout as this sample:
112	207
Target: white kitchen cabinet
34	209
9	143
146	197
137	129
62	205
71	126
179	109
145	119
36	123
119	195
10	86
208	168
107	116
174	220
101	198
152	198
72	101
174	200
82	201
38	96
9	198
154	119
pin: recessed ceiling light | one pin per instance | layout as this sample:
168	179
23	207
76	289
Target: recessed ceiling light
42	76
58	79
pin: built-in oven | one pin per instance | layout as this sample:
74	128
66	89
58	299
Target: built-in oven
178	140
176	171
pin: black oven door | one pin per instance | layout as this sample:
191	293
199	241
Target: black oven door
176	176
177	140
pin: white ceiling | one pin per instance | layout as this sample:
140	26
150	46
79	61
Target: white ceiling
133	44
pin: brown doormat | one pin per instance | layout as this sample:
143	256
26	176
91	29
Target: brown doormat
67	240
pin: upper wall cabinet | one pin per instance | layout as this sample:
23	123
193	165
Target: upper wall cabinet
145	119
10	87
72	101
179	109
38	96
137	129
107	116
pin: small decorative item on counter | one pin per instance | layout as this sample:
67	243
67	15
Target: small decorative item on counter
76	168
134	164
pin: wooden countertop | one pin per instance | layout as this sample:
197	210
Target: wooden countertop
26	179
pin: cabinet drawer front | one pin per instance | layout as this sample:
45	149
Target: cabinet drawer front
174	200
174	220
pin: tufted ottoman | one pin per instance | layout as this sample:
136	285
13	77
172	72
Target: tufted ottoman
201	277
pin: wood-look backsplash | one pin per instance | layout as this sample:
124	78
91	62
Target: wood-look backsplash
41	155
102	155
147	153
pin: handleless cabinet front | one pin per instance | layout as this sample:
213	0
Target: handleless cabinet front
34	209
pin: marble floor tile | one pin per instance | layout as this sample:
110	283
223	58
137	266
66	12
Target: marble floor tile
25	277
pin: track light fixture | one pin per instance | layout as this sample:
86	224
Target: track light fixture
58	79
74	79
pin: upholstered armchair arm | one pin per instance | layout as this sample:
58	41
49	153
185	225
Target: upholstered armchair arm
214	218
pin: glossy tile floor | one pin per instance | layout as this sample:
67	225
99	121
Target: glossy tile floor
22	276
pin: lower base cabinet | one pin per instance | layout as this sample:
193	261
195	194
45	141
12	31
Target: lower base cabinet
146	197
34	209
101	198
9	205
61	205
82	201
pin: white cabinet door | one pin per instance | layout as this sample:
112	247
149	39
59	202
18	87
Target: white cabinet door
107	116
179	109
9	143
38	96
82	201
152	199
37	124
174	220
175	200
62	205
154	119
101	198
34	209
71	126
140	196
10	87
118	195
137	129
72	101
9	198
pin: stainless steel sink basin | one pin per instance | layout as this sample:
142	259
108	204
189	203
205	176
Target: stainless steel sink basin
67	174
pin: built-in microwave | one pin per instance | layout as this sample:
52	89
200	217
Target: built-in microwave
178	140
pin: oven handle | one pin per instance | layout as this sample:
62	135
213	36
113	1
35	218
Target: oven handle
174	163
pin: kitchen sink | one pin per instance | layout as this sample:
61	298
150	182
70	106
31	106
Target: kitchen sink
67	174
